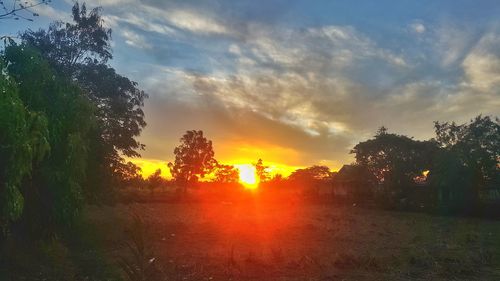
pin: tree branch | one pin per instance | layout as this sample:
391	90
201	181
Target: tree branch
17	7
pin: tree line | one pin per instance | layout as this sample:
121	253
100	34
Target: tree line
458	169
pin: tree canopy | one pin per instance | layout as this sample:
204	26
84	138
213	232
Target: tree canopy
392	157
469	160
23	143
67	119
395	160
311	174
80	51
62	120
194	158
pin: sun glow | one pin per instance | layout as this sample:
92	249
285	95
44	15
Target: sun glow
248	176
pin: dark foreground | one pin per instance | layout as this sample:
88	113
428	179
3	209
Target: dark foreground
291	241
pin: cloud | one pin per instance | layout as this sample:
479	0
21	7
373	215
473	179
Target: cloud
418	27
299	94
51	13
482	65
453	42
152	18
140	22
135	40
195	22
238	134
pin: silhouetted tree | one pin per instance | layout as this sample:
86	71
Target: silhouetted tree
194	158
469	161
354	181
277	178
311	174
154	180
395	160
226	174
68	46
129	174
310	179
261	171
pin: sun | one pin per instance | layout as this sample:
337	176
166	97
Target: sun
248	176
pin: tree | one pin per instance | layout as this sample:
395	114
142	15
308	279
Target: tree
154	180
129	174
277	179
69	45
19	10
53	192
23	143
311	174
226	174
261	171
395	160
355	181
194	158
80	51
470	158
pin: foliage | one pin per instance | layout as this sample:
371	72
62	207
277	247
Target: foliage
359	180
469	161
395	160
23	142
453	180
226	174
80	51
53	194
154	180
476	144
311	174
194	158
261	171
128	173
19	9
68	45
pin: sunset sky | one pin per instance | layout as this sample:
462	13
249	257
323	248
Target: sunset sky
298	83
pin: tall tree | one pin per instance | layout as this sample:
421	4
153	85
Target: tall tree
23	143
53	193
194	158
80	51
69	45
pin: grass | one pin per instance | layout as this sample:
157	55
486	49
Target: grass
292	241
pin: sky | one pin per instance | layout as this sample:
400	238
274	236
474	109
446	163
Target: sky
298	83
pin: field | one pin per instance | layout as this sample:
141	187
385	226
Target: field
296	241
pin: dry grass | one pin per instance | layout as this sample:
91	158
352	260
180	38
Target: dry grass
262	241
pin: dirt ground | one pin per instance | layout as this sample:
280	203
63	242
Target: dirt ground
293	241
